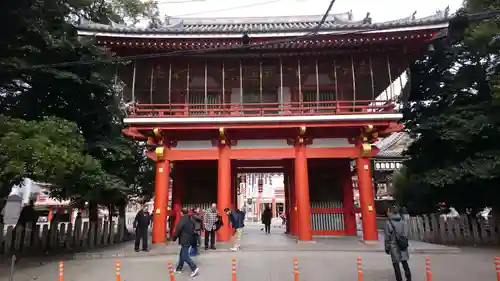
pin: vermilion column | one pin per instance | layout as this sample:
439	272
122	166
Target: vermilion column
369	218
177	191
302	194
348	200
286	205
294	225
161	201
224	190
234	189
273	206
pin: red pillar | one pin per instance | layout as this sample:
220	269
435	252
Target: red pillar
293	204
161	201
234	189
224	191
348	200
273	206
177	190
286	206
366	198
302	194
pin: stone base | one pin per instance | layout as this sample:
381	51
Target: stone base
370	242
305	242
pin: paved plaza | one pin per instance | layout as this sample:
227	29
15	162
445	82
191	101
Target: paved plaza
270	257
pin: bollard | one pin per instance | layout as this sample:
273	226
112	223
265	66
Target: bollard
360	270
117	271
428	273
295	269
497	267
233	271
12	268
171	271
61	271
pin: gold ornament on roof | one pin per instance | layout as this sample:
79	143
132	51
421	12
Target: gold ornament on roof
302	130
160	153
366	149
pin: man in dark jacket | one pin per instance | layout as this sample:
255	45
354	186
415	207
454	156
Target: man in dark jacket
141	224
236	219
266	219
197	220
184	231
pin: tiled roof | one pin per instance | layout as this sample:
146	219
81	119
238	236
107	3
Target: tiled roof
266	25
394	145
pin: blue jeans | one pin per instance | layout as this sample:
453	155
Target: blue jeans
194	248
184	257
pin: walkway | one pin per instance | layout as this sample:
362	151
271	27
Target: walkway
269	257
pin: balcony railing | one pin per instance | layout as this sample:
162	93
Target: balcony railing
263	109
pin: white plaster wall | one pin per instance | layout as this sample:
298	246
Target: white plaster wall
330	143
261	143
193	145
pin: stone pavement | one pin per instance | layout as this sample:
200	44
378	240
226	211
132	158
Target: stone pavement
265	258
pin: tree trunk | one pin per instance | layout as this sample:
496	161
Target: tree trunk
122	222
93	219
111	210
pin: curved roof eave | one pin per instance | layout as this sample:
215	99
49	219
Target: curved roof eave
273	27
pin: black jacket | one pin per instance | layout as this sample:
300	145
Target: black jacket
142	220
237	219
266	216
184	231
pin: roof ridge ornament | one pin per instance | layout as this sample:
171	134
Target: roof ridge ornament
349	15
367	19
414	15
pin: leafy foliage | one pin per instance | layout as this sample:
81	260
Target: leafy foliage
50	150
85	156
454	114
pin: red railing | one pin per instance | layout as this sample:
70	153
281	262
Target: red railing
262	109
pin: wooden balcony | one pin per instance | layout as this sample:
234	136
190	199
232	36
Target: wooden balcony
262	109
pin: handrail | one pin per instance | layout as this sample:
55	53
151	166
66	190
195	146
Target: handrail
262	109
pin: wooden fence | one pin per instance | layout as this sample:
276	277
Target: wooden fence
454	231
60	237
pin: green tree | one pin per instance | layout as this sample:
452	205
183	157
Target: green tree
50	150
128	12
39	36
453	113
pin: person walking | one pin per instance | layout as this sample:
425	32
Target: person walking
184	231
198	221
210	220
396	243
236	219
266	219
141	224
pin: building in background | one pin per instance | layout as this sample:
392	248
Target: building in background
261	190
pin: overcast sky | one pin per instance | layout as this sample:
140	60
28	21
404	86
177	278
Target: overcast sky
381	10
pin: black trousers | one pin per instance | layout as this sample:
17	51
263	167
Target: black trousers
209	236
141	234
267	228
397	271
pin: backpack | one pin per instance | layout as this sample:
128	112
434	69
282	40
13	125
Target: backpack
401	241
218	223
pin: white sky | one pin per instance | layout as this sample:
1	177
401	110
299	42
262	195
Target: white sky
381	10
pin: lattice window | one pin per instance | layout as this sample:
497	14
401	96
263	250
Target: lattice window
197	104
311	97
